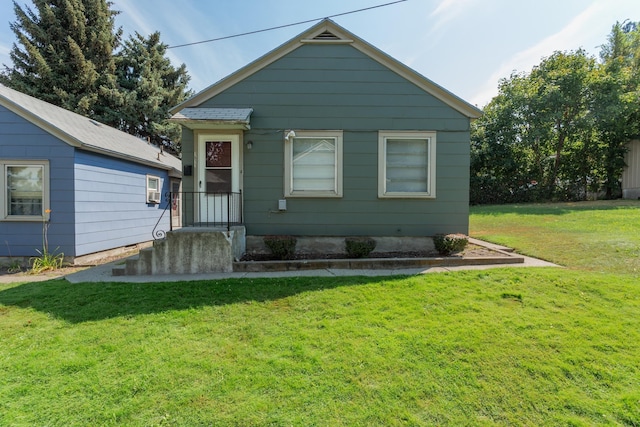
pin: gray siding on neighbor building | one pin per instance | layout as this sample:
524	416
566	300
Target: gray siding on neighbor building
337	87
22	140
111	209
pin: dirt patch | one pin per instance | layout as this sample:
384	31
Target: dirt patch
25	274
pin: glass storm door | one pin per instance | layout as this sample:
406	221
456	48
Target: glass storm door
176	204
219	179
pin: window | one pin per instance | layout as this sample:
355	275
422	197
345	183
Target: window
218	166
313	164
406	164
153	189
26	189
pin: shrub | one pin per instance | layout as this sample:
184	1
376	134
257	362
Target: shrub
47	261
359	247
282	247
447	244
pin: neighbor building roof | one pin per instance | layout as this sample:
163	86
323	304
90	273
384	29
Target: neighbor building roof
84	133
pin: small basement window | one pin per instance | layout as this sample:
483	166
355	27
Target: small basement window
153	189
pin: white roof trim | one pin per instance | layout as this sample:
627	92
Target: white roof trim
344	36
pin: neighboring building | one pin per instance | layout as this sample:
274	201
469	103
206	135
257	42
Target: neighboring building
96	188
631	173
328	136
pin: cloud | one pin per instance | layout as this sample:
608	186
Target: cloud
571	37
447	11
129	13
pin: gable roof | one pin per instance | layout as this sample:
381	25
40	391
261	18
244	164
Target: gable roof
328	31
84	133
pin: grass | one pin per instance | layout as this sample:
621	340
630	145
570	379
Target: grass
593	236
537	346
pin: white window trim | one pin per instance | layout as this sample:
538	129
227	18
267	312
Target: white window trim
288	164
154	196
4	208
382	164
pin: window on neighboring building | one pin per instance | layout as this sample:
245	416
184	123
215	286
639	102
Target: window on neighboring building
153	189
26	189
313	164
406	164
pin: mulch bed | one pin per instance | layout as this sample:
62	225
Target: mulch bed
470	251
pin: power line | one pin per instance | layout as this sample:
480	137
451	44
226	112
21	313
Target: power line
284	26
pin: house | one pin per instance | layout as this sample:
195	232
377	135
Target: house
631	173
328	136
325	136
95	188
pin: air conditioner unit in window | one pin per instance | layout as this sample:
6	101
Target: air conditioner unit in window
153	197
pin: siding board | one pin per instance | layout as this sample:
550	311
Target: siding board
22	140
111	208
337	87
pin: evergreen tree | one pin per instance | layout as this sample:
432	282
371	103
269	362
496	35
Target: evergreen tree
65	55
151	86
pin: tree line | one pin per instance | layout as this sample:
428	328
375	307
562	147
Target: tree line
69	53
560	131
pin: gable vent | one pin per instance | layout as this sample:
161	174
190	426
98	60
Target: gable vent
327	35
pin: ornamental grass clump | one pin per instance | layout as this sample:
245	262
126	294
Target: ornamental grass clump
448	244
46	261
359	247
281	247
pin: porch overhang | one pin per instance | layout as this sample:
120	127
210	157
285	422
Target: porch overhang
214	118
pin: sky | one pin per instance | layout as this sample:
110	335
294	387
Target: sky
465	46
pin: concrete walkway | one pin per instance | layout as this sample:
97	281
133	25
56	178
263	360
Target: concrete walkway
103	272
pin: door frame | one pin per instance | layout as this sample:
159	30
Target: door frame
200	138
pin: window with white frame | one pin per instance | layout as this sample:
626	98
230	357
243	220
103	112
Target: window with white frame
406	164
26	189
153	189
313	164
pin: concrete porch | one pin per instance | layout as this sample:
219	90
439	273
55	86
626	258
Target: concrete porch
189	250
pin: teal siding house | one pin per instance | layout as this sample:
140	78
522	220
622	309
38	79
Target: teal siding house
96	189
327	136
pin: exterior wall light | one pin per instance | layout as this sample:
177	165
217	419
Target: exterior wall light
290	135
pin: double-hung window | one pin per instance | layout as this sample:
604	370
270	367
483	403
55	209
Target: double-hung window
313	164
406	164
153	189
25	185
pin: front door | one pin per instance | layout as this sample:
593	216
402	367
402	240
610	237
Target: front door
219	200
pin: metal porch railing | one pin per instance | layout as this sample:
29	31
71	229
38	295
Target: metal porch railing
201	209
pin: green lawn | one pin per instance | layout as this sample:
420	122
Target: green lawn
541	346
592	236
